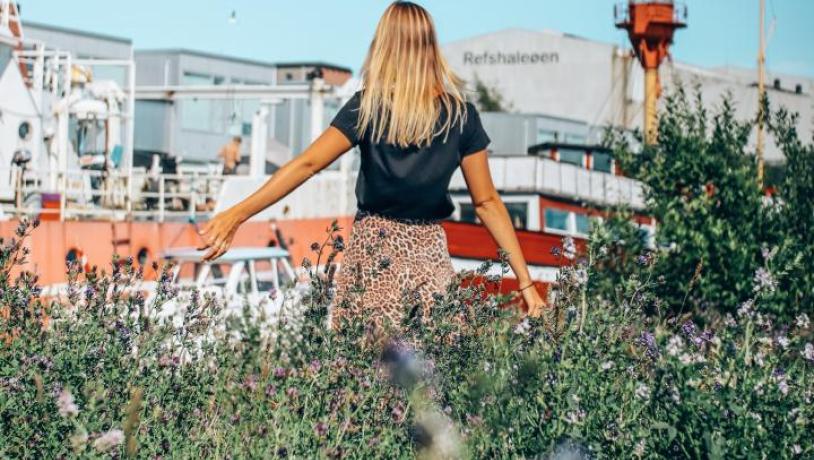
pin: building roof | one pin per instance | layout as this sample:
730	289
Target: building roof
83	33
324	65
224	57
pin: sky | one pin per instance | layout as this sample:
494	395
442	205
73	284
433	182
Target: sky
720	32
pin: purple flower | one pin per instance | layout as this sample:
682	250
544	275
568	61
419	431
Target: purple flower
280	372
271	390
292	392
250	383
320	429
315	366
648	341
689	329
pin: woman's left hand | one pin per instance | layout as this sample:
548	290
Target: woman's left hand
534	301
219	232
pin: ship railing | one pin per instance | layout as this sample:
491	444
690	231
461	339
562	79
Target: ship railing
529	174
115	195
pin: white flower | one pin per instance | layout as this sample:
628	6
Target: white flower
523	327
581	276
764	280
802	321
675	345
796	449
66	405
675	395
808	352
730	321
638	451
569	249
574	417
109	440
783	341
685	359
643	391
487	366
759	358
746	308
607	365
783	386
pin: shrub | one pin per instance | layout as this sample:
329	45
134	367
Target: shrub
597	377
720	231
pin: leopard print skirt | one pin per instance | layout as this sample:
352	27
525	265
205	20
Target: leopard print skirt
391	268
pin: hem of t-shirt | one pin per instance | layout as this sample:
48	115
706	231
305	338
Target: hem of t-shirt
350	133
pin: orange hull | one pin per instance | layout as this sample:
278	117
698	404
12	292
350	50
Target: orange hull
51	241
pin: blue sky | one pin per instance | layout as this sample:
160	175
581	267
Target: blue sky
720	32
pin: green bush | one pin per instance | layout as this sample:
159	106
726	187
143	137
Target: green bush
96	374
718	230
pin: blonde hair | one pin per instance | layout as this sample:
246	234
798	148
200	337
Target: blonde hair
406	81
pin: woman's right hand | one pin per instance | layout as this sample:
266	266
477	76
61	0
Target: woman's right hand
534	301
219	232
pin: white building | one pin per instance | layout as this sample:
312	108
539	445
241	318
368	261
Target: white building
562	75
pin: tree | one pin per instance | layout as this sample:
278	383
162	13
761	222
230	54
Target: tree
489	98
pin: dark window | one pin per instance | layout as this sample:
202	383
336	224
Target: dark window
519	214
601	162
571	156
556	219
468	213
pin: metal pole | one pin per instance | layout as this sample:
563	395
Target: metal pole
651	84
761	90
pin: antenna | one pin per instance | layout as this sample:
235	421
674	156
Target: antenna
761	90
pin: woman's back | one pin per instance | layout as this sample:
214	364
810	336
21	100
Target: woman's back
410	182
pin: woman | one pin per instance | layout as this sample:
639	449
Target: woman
414	129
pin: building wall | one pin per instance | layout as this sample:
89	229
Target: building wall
546	72
80	44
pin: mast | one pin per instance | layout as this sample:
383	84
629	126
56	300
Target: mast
761	90
650	25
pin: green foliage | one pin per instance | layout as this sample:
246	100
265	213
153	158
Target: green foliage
489	98
598	378
716	231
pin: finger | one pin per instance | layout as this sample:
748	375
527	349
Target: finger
205	229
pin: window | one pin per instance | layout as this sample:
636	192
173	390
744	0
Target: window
583	224
574	139
602	162
519	214
468	213
546	135
571	156
556	219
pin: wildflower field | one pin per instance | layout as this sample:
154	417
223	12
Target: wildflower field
697	346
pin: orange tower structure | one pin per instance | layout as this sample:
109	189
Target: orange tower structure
650	26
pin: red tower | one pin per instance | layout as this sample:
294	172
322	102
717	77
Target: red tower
650	26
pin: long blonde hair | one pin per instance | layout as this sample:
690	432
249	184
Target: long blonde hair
406	81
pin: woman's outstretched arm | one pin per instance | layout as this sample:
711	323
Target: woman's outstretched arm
218	232
494	215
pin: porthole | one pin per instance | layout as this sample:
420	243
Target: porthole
24	131
142	256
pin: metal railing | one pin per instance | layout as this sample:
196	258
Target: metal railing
114	195
528	174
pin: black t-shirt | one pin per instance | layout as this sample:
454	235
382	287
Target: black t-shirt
413	182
